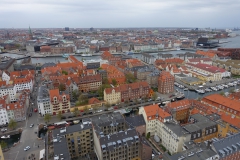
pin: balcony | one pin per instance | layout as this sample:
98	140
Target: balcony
56	109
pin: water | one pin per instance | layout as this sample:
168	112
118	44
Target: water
194	95
13	139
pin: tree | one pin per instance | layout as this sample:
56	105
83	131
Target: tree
231	90
82	99
114	82
102	88
47	118
12	124
59	115
105	81
76	112
221	93
75	94
3	144
107	105
64	72
61	87
130	78
85	109
154	96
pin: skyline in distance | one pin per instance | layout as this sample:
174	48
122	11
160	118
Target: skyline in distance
119	13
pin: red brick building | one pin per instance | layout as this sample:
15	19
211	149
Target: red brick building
165	83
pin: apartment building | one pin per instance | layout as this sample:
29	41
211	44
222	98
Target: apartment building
112	95
3	112
43	101
88	82
74	142
114	73
123	145
143	73
62	49
174	136
59	101
224	104
180	110
201	128
196	151
207	72
152	78
227	148
138	123
147	58
159	123
165	83
23	83
134	91
230	65
207	61
8	90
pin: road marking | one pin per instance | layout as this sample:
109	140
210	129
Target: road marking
17	155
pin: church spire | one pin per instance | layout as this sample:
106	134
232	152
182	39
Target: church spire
30	33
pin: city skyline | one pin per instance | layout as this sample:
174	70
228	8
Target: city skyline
118	14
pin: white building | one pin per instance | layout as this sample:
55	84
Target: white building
159	123
43	101
25	83
6	77
3	113
8	90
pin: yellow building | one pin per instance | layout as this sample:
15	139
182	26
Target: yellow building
1	154
112	95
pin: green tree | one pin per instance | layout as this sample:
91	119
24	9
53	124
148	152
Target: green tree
148	135
154	96
102	88
130	78
12	124
75	94
82	99
105	81
114	82
76	112
3	144
59	115
107	105
47	118
64	72
221	93
61	87
231	90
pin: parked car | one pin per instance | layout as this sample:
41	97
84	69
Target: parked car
35	110
27	148
31	125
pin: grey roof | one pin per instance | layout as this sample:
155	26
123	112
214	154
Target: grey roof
60	148
228	145
121	138
197	152
43	94
51	64
103	120
5	65
214	117
176	128
135	121
201	123
71	129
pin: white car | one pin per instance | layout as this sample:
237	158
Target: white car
4	129
31	125
27	148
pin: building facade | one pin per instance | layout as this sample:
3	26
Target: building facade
165	83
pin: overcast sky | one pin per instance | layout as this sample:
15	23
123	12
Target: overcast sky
119	13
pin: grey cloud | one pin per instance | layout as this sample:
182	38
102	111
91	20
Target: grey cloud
120	13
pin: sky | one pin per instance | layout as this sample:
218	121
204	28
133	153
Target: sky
119	13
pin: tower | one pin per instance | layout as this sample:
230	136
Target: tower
30	33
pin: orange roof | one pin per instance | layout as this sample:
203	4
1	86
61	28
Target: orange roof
179	104
54	93
174	60
93	101
224	101
231	120
152	110
165	75
208	54
2	83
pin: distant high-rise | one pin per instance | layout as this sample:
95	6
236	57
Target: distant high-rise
30	33
66	28
91	29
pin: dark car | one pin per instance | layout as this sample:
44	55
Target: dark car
171	95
